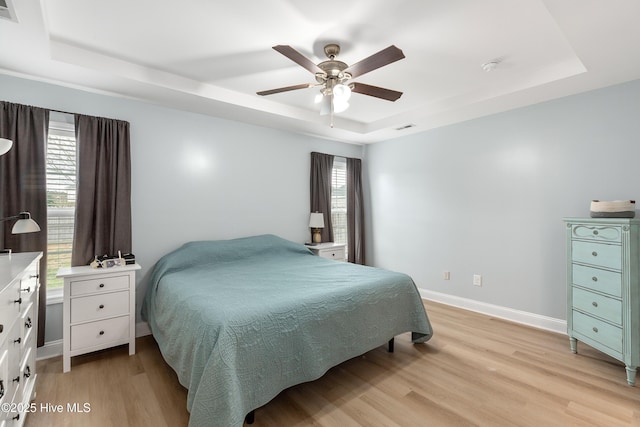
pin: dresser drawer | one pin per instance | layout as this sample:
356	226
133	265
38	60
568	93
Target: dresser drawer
27	374
27	323
608	282
99	333
606	308
598	330
598	233
105	284
598	254
9	309
4	376
99	306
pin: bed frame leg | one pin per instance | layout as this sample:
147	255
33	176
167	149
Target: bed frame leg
250	418
390	345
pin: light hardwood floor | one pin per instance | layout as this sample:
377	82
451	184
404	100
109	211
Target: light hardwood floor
475	371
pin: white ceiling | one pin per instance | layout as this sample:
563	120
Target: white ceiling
212	56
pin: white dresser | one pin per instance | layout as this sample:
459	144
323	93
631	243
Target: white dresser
19	283
99	309
335	251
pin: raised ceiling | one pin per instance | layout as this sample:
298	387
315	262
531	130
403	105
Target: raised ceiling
211	57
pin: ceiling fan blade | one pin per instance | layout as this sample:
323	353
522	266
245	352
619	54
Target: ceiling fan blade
298	58
375	61
378	92
285	89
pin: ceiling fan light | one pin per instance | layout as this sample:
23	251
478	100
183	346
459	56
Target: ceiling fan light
318	98
342	92
340	105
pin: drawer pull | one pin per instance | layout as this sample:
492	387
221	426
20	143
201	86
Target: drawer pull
18	301
16	418
594	253
101	332
595	232
27	371
1	328
27	290
101	306
101	285
28	323
595	329
18	341
595	304
594	278
16	379
34	276
1	388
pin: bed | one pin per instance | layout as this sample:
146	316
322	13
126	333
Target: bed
241	320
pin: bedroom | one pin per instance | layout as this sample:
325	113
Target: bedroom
485	196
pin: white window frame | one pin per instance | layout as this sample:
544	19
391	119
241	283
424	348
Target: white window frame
60	124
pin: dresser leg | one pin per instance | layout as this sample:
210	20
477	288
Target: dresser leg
631	375
574	344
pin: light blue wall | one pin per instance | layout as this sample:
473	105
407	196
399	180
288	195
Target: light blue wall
195	177
488	196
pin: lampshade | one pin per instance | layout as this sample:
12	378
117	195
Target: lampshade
316	220
25	224
341	92
5	145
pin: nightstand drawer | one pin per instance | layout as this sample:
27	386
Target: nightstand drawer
98	333
605	281
598	254
337	254
99	306
598	331
105	284
598	305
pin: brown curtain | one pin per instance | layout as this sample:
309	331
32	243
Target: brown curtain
103	205
355	212
321	168
23	186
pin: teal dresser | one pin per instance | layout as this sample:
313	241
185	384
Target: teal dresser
603	287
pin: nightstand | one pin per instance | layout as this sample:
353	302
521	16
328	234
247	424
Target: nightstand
98	309
335	251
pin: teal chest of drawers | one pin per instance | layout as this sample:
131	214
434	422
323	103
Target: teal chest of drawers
603	287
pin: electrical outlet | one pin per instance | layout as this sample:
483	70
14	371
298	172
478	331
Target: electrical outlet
477	280
446	275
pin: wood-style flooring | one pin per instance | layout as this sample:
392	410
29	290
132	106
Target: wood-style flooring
475	371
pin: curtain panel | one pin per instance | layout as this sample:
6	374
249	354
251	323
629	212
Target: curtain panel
321	169
23	188
355	212
103	206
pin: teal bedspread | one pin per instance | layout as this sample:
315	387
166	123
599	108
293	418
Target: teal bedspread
241	320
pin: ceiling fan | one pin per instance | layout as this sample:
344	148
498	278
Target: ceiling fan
334	77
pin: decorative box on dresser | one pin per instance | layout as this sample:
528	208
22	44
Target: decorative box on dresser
330	250
98	309
19	283
603	287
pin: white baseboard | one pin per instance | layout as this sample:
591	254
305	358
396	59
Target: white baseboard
518	316
142	329
54	348
49	349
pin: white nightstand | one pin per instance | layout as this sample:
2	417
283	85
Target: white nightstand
329	250
99	309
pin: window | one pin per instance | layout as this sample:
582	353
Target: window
339	199
61	194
